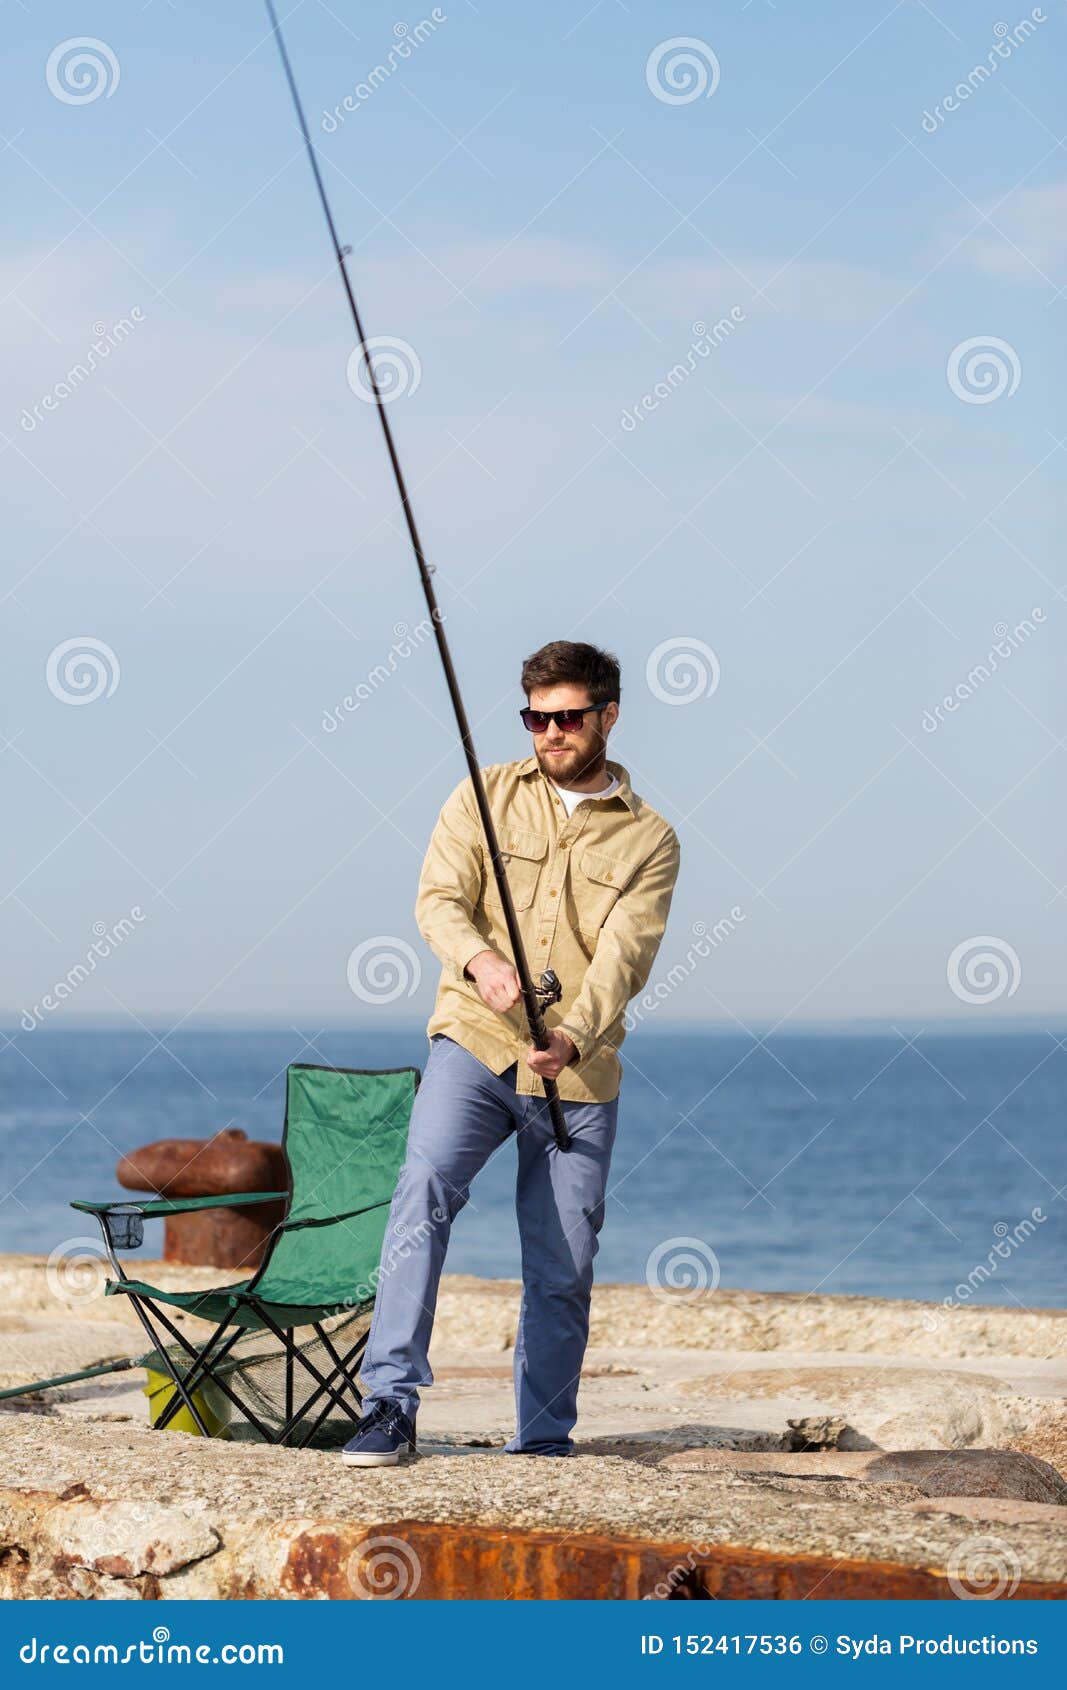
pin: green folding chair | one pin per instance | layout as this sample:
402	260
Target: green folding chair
345	1139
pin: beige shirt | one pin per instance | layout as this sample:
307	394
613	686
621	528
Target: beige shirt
572	797
591	893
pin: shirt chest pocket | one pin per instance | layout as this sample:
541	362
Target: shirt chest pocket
597	878
523	850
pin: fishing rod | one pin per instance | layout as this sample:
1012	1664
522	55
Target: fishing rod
535	998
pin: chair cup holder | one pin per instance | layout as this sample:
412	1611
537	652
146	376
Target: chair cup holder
125	1224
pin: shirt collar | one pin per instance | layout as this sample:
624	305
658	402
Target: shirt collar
530	765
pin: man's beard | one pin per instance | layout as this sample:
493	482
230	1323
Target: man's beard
576	765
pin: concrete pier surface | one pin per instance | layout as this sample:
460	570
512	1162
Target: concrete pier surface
731	1444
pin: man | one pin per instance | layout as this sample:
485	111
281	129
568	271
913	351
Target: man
591	869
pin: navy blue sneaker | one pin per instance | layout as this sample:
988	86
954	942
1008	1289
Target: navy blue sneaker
386	1434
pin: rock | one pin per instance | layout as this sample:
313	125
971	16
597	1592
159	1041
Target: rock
125	1539
64	1345
485	1312
815	1434
209	1520
972	1472
986	1473
889	1407
688	1476
1045	1435
991	1509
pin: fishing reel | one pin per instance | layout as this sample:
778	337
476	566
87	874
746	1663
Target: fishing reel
551	988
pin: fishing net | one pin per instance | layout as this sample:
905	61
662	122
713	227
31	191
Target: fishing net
272	1384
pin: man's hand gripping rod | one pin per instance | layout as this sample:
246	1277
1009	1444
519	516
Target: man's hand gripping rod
549	991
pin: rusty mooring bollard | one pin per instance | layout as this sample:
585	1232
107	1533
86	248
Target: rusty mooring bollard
211	1167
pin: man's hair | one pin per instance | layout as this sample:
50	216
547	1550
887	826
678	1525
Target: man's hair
563	662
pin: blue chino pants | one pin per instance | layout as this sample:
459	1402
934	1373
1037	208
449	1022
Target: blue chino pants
462	1113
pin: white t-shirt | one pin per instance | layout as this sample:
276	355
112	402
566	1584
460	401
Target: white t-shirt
571	798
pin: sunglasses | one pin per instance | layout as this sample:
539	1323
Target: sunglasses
570	721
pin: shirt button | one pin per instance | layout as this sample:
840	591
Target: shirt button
552	891
544	941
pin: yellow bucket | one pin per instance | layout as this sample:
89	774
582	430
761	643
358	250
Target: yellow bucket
214	1413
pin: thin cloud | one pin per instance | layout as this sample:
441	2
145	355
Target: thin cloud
1029	240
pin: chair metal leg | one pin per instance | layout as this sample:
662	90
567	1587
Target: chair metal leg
199	1368
324	1339
343	1367
308	1366
168	1364
267	1436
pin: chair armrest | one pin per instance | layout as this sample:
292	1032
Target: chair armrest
163	1206
332	1220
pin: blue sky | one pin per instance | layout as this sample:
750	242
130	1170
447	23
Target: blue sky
813	501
